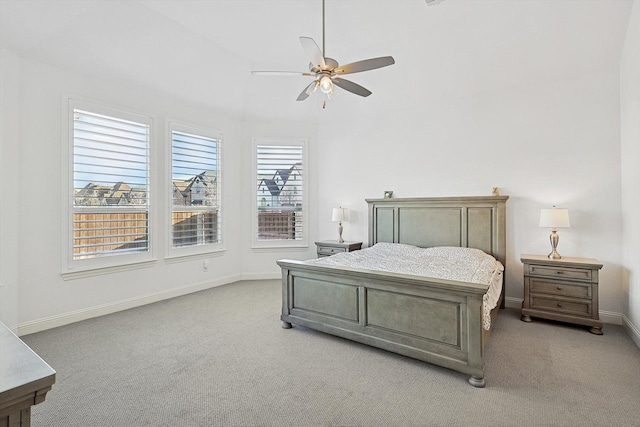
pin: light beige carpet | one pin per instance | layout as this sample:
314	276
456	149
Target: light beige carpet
220	358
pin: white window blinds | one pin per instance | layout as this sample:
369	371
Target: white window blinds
195	171
280	197
110	185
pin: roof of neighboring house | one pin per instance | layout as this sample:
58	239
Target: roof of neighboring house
109	195
119	190
274	189
185	186
182	185
284	174
90	188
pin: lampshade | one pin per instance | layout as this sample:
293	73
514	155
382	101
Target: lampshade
554	218
339	214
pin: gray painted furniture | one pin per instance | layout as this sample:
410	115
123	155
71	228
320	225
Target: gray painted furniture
563	289
25	380
331	247
434	320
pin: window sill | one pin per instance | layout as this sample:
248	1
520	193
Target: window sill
171	259
99	271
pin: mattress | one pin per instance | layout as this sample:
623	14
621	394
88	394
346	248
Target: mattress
441	262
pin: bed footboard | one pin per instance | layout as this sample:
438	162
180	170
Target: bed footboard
437	321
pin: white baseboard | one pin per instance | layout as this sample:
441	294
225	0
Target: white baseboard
262	276
610	317
511	302
631	330
101	310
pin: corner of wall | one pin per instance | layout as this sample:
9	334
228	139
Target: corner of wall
630	179
631	330
10	65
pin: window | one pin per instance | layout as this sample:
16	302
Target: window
110	181
195	188
279	185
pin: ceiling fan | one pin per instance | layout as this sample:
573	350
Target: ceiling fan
326	71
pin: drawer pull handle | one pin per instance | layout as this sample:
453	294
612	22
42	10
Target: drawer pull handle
559	305
560	272
559	288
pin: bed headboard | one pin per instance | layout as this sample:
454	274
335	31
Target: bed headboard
475	222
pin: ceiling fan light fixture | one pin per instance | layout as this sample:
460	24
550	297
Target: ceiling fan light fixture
326	85
313	88
328	73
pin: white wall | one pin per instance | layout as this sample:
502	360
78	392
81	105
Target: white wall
9	168
543	143
45	299
554	142
630	123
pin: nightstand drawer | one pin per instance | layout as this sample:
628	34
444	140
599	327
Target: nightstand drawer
559	272
559	288
561	306
328	250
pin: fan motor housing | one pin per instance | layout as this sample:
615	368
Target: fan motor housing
331	63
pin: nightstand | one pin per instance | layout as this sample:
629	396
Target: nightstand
331	247
563	289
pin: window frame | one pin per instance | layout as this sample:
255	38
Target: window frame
275	244
207	248
73	268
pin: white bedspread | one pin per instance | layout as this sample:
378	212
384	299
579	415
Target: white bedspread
442	262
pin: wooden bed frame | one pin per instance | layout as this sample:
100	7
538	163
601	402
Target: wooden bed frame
437	321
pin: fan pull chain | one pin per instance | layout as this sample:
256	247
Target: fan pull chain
325	96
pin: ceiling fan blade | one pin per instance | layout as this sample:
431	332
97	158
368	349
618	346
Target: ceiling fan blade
282	73
365	65
305	93
351	86
313	51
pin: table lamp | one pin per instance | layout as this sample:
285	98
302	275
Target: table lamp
554	218
339	215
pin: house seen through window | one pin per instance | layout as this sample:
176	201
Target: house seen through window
110	212
195	175
280	197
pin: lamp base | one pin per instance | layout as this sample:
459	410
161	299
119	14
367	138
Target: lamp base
555	255
554	238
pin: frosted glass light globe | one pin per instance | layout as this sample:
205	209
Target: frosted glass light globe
326	85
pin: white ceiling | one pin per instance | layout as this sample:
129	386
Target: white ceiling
203	51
